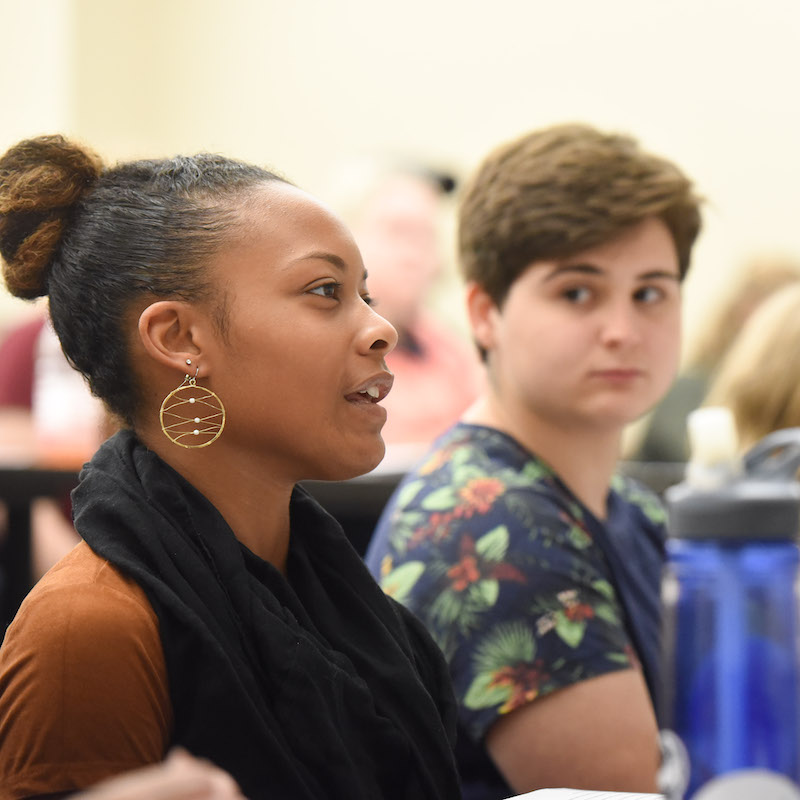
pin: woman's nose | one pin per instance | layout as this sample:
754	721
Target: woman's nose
620	325
379	333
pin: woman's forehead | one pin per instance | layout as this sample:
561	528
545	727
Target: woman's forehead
279	224
284	207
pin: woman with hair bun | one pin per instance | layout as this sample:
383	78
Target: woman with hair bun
222	315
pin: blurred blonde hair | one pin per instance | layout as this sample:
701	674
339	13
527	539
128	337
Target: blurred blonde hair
757	279
759	377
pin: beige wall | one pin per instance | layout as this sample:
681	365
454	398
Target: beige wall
301	84
35	84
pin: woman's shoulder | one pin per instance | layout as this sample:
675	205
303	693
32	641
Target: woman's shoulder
83	683
82	577
82	601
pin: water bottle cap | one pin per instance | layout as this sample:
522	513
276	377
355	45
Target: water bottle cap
762	502
746	508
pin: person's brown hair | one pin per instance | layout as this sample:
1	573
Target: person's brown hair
95	240
557	191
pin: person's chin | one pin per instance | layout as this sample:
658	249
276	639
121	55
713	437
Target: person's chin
615	415
372	457
356	461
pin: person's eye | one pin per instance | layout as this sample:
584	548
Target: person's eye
648	294
368	299
330	290
577	294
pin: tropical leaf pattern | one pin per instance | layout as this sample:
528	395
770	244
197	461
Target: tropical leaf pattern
487	546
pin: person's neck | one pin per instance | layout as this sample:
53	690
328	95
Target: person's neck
583	458
254	505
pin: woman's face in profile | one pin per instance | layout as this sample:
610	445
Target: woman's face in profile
301	370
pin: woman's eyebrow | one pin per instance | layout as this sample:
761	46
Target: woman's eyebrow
591	269
655	274
581	269
331	258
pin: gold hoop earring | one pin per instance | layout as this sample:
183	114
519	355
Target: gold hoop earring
191	416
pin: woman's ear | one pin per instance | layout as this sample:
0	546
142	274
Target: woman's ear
170	334
483	314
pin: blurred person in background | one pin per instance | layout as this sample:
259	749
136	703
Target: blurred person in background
663	436
759	376
48	420
18	347
534	565
396	212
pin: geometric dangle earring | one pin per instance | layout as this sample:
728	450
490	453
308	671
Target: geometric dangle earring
192	416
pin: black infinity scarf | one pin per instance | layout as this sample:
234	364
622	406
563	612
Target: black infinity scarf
315	686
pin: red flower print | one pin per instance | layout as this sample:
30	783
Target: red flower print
471	568
464	573
435	528
524	681
578	612
507	572
478	495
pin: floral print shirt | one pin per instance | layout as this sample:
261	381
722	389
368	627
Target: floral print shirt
522	587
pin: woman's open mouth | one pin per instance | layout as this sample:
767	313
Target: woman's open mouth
373	390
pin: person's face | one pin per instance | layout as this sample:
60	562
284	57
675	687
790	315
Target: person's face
398	236
304	350
591	340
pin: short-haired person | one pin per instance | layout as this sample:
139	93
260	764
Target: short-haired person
223	315
533	564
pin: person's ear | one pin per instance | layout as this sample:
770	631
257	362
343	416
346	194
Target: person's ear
483	316
171	333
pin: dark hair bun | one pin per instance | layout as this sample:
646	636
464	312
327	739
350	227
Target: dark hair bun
41	179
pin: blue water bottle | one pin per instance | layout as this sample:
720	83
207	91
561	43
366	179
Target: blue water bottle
730	702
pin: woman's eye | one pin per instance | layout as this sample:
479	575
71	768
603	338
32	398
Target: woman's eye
648	294
368	299
329	290
577	294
